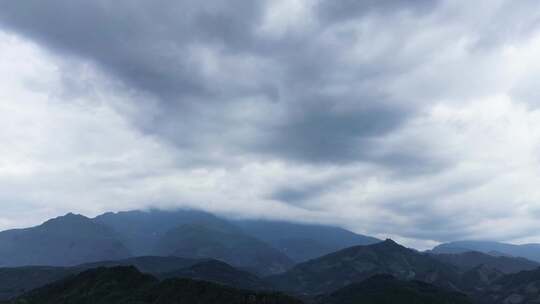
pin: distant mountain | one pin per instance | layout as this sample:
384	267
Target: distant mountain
141	230
355	264
221	273
528	251
75	239
194	234
386	289
302	242
471	259
224	243
127	285
63	241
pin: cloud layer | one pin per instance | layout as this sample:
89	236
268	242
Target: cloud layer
412	119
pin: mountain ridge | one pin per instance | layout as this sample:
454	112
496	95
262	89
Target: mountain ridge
333	271
529	251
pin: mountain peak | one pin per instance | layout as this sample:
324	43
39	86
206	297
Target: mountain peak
74	216
390	241
388	244
68	218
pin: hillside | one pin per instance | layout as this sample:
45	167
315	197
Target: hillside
302	242
141	230
18	280
228	245
385	289
127	285
471	259
528	251
221	273
518	288
336	270
146	264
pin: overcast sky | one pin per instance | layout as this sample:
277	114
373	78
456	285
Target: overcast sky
417	120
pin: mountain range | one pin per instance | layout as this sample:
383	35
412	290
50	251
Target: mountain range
166	255
74	239
355	264
528	251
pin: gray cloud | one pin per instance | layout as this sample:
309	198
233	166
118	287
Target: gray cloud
317	132
350	9
385	98
148	46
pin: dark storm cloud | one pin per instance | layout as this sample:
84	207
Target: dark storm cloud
147	46
143	43
319	133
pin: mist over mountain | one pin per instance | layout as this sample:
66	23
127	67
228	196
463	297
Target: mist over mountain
302	242
274	245
140	231
264	247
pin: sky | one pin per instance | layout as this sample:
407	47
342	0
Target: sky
416	120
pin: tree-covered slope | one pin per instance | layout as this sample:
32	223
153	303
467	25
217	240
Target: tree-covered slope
386	289
123	285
